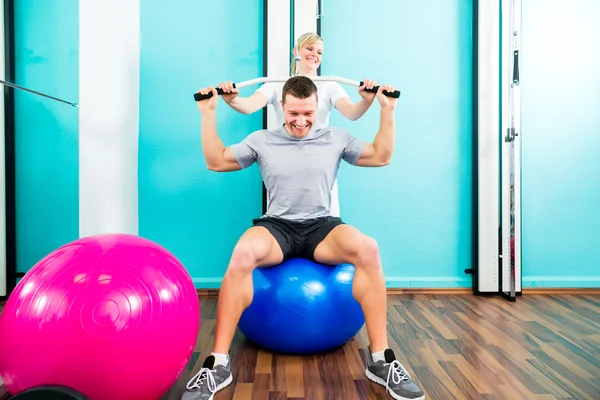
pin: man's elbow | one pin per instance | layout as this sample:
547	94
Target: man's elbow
384	163
385	160
215	166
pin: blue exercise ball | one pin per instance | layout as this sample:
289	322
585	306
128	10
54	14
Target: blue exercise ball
302	307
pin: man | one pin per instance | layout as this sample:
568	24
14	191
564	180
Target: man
299	165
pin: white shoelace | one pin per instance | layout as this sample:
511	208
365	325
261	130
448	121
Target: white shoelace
198	378
397	372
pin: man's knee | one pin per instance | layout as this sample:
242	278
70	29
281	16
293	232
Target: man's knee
367	252
243	259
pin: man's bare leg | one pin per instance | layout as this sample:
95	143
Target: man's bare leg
257	247
346	244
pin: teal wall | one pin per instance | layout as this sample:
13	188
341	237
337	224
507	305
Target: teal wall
561	143
419	207
195	213
47	57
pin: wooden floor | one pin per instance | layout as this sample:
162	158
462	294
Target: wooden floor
455	346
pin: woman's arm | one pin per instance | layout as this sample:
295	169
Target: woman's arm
350	110
354	111
244	105
247	105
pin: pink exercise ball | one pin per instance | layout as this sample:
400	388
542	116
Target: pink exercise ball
112	316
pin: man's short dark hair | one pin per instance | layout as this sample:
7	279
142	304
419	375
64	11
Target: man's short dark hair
301	87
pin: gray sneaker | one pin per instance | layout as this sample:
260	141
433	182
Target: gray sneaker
391	374
208	380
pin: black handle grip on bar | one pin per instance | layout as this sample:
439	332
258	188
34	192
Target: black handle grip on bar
198	96
395	94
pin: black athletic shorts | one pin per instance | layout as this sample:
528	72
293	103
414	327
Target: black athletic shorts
298	238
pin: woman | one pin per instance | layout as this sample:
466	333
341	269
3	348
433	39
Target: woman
307	59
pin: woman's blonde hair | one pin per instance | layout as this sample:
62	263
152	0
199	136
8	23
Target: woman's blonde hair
305	40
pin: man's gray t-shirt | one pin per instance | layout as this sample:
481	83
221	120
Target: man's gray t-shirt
298	172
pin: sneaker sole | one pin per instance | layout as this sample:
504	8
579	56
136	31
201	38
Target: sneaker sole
223	384
396	396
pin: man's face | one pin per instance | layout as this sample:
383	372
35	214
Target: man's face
300	114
